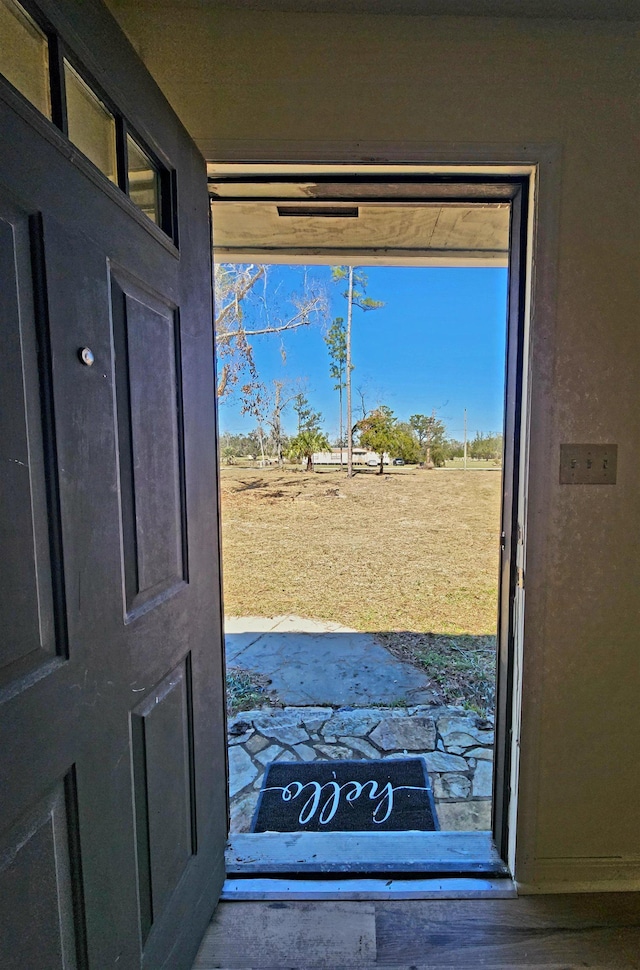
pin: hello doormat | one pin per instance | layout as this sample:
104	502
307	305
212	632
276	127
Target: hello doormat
346	796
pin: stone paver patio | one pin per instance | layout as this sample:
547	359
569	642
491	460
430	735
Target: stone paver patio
345	671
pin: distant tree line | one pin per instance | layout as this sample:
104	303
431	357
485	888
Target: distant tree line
421	440
239	445
485	446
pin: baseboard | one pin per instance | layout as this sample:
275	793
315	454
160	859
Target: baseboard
582	875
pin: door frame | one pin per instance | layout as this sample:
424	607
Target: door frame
532	263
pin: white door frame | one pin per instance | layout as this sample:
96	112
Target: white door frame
541	165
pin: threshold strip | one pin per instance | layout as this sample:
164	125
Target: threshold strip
392	854
263	888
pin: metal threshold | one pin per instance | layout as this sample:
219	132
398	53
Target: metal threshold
394	855
257	888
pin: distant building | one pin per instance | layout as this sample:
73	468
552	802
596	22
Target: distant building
360	456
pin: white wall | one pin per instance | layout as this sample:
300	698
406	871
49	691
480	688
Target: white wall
269	80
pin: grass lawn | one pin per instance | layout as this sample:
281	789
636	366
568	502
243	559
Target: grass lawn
411	550
411	555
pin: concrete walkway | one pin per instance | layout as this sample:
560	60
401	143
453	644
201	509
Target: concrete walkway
342	695
319	662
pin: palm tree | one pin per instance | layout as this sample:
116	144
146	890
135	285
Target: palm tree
306	444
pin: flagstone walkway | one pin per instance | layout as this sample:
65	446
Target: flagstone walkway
324	674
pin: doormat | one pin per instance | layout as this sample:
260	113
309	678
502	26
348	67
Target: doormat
346	796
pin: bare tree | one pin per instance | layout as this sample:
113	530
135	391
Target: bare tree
361	390
256	404
245	308
280	400
267	405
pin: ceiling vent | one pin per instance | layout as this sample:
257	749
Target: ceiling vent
316	211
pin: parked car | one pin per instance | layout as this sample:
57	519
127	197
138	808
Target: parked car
373	462
398	461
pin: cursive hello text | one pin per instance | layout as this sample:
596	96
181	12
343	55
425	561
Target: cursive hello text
323	801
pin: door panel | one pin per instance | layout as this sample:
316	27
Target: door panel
112	746
19	581
38	877
150	425
26	599
162	733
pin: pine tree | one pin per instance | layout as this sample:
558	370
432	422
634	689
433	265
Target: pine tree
336	341
354	297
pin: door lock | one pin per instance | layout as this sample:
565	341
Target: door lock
86	356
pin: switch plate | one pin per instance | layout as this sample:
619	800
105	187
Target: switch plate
588	464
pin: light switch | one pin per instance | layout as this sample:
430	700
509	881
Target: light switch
588	464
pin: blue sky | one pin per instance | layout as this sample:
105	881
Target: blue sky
438	342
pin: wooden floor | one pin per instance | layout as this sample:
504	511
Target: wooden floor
600	931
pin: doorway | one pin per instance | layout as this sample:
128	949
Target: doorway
243	204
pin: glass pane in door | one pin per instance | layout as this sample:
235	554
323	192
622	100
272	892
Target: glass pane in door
24	55
144	187
92	127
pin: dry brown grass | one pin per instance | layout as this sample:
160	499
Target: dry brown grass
410	550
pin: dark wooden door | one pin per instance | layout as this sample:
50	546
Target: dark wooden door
113	795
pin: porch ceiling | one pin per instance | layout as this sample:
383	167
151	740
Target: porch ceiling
471	234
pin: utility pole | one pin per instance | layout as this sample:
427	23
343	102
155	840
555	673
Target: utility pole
465	439
348	380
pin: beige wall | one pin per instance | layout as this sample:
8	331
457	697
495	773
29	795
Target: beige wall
277	78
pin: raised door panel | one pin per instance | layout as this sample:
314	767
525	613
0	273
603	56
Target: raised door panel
164	783
43	926
30	634
146	335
